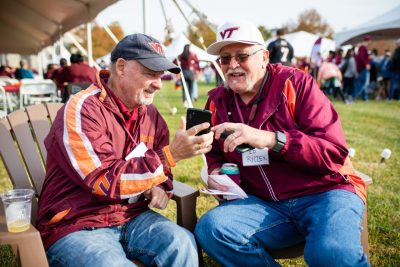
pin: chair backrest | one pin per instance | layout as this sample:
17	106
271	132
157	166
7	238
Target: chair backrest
3	100
22	146
37	87
73	88
7	80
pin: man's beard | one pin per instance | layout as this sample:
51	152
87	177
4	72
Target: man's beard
146	100
248	81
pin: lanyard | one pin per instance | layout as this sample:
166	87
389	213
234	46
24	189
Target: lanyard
255	103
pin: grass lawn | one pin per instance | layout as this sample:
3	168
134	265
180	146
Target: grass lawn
369	128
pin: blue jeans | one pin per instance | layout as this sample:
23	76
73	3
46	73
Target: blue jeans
394	85
150	238
240	232
361	85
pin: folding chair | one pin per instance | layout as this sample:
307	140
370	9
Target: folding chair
36	91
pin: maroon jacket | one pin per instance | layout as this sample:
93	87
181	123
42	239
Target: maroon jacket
88	181
362	58
78	73
315	149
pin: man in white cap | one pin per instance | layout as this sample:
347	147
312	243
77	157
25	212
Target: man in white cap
286	138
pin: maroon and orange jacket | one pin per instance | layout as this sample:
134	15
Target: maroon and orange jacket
314	158
88	181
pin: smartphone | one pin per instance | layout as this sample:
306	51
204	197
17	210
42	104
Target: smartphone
196	116
240	148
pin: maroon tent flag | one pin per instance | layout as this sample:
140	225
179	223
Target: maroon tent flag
316	52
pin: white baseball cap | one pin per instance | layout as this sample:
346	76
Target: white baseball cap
236	32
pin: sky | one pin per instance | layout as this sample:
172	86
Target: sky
339	14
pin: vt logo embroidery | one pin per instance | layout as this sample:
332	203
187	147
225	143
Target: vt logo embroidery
157	47
228	32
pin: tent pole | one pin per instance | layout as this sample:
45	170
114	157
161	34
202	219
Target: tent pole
89	43
110	33
200	38
144	17
185	89
77	44
40	64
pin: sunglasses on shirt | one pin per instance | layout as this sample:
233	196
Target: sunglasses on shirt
241	57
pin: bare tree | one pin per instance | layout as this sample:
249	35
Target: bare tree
310	21
102	43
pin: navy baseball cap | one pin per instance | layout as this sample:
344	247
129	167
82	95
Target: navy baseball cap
144	49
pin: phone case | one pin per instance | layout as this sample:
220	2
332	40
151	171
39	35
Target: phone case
196	116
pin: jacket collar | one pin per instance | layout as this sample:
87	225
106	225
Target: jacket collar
270	98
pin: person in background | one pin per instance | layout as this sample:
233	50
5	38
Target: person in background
23	72
50	70
109	162
363	67
373	71
383	91
338	56
330	80
280	50
208	73
299	180
6	71
331	57
189	64
394	67
78	71
349	70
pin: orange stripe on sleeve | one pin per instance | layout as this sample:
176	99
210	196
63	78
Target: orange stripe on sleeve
130	187
79	148
290	94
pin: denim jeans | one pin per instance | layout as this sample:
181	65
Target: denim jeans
239	232
150	238
361	85
394	85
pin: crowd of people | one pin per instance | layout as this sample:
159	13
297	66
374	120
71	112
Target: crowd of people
360	73
62	74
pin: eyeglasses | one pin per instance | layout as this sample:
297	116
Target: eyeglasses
242	57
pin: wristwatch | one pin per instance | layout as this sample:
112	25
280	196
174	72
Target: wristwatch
280	141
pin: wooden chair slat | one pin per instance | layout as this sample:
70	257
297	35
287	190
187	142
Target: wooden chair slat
11	157
20	125
39	118
53	108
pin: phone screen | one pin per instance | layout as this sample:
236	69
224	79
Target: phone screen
196	116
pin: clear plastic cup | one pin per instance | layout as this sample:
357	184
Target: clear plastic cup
17	206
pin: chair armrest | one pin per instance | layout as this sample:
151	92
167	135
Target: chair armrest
367	179
27	246
185	197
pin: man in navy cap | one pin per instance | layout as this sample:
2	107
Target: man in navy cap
109	162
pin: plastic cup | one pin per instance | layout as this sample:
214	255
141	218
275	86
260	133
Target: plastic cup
17	206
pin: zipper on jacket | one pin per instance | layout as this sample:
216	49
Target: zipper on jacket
269	186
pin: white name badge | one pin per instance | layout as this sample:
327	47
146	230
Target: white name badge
255	157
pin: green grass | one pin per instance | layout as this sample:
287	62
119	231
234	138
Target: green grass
369	128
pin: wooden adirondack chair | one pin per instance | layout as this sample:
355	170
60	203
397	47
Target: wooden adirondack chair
24	155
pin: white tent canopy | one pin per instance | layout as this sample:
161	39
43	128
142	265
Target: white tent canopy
385	26
176	47
303	43
28	26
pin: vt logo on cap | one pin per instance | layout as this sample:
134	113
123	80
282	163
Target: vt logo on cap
239	31
228	31
157	47
145	49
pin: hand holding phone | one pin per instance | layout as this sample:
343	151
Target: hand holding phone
195	116
240	148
